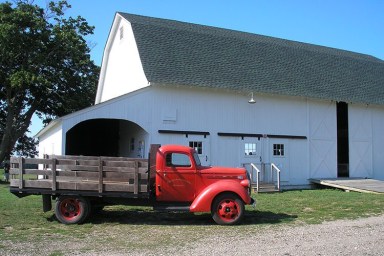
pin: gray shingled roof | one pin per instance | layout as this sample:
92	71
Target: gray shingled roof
178	53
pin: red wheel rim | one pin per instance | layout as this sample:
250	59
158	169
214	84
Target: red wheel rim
228	210
70	208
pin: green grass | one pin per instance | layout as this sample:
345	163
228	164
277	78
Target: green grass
137	228
316	206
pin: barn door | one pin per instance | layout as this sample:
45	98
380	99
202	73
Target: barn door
251	153
279	156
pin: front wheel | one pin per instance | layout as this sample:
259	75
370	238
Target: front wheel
227	209
72	209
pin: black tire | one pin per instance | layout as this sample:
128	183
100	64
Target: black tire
227	209
72	209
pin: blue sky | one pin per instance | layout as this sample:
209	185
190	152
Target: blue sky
353	25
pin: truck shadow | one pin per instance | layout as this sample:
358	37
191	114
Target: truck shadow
170	218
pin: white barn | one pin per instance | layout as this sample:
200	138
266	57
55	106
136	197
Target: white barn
319	111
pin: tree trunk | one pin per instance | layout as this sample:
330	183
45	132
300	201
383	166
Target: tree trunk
15	127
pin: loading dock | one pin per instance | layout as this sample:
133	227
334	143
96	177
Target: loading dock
353	184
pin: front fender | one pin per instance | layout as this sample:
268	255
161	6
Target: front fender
203	201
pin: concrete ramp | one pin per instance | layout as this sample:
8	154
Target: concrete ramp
353	184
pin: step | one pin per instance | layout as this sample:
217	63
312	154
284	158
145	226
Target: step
265	188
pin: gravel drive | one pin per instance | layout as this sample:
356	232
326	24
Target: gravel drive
364	236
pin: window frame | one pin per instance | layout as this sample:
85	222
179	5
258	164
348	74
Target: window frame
197	146
173	164
279	150
252	149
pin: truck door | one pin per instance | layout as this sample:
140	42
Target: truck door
177	179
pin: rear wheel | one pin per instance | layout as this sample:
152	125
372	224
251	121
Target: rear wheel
72	209
227	209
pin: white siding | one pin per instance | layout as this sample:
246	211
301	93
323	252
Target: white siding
217	111
51	142
214	111
122	70
133	107
132	141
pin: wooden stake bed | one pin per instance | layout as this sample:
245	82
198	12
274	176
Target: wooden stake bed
100	175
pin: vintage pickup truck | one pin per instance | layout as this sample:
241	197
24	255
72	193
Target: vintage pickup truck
171	179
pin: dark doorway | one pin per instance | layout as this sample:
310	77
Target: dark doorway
96	137
342	140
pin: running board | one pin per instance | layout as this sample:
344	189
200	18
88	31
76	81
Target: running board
171	208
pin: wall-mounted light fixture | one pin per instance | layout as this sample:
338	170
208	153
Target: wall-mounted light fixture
252	100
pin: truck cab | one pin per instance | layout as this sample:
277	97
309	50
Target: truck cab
180	177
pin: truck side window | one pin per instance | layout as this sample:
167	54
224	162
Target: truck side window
177	160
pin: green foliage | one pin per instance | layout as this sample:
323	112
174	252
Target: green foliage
45	67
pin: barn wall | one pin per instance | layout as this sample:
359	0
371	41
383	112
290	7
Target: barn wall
122	70
212	112
132	140
133	107
223	112
51	142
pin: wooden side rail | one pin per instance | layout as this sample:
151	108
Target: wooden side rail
99	174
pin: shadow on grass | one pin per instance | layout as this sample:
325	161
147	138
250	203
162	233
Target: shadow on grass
146	217
267	217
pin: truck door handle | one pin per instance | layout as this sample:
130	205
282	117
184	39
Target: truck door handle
206	158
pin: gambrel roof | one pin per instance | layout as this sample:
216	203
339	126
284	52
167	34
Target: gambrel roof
179	53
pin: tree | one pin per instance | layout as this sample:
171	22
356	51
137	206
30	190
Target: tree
45	68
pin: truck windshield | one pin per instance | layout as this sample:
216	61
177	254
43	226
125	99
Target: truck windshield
197	159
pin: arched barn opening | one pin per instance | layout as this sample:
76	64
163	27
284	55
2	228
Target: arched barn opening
106	137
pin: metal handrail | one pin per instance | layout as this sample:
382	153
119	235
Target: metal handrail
278	171
253	166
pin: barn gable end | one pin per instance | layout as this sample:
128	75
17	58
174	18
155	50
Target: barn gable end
121	70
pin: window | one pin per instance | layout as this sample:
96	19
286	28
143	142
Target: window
250	149
278	149
197	146
177	160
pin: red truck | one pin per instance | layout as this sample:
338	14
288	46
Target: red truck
171	179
